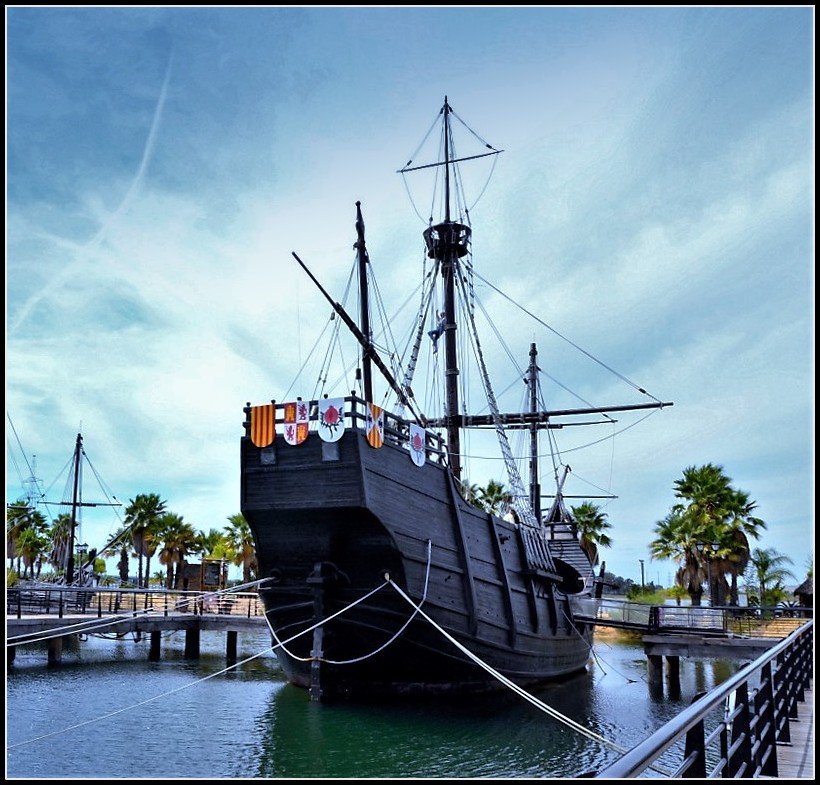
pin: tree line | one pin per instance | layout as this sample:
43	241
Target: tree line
39	549
708	533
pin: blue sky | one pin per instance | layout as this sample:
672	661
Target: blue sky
654	204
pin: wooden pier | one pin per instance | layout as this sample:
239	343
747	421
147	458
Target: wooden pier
52	615
795	759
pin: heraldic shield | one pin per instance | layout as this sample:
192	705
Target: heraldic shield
417	446
374	425
331	419
263	424
295	422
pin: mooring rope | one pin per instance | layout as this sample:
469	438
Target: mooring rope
403	627
204	678
372	653
546	708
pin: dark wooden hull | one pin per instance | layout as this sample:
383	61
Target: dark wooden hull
349	515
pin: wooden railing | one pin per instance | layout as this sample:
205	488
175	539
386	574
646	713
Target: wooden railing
104	601
752	622
396	429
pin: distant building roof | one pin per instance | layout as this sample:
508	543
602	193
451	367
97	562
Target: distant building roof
807	587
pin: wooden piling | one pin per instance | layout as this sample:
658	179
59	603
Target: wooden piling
154	651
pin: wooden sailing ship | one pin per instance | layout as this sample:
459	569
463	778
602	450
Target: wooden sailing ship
340	493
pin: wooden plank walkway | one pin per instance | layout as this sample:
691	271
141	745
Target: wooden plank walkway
796	760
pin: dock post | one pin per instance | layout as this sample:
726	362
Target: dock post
673	673
654	669
11	653
230	647
55	651
192	644
154	651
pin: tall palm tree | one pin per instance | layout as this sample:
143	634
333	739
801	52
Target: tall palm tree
60	533
740	525
720	515
239	535
591	523
142	514
770	569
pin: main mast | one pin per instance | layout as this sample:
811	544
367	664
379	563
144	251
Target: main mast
448	242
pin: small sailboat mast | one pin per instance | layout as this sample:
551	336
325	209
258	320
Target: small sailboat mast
75	503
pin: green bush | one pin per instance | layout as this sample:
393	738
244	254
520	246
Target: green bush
646	596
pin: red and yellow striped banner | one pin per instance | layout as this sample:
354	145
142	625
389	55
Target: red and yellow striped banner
374	425
263	424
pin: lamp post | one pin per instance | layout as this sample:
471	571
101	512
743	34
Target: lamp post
82	549
642	574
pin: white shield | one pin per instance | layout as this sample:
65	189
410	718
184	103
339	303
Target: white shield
331	419
417	447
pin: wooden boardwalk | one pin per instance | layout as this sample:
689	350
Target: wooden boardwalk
796	760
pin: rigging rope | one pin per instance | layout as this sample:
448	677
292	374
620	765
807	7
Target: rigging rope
520	498
571	343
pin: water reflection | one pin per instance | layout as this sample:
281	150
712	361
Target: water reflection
250	723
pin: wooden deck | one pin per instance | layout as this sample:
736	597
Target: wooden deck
796	760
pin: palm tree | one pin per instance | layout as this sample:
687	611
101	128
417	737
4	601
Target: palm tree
206	544
20	517
770	569
718	514
179	540
119	548
592	524
471	493
60	534
677	538
494	497
30	547
239	535
142	515
740	526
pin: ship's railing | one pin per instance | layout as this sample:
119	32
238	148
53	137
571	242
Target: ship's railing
105	601
396	429
732	731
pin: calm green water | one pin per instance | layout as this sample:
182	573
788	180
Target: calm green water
248	723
